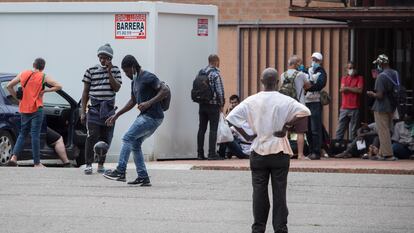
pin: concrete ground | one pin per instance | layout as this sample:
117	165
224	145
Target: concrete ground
187	201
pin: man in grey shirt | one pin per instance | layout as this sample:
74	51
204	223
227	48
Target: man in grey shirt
301	84
383	106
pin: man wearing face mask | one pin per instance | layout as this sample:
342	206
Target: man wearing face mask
301	83
317	78
384	106
101	82
351	89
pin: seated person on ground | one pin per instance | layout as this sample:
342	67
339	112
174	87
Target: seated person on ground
240	147
55	140
403	137
365	135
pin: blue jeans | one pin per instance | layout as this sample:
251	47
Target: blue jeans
314	135
31	122
142	128
347	117
401	151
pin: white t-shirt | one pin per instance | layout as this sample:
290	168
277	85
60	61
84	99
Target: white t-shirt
266	113
300	80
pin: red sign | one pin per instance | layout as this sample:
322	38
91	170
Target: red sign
130	26
202	29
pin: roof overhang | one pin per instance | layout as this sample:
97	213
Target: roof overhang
356	14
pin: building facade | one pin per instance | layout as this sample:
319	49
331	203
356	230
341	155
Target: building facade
254	34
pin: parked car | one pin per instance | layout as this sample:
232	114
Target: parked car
61	113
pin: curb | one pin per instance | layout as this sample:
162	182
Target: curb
318	170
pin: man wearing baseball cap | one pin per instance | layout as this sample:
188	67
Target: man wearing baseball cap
317	78
101	82
384	105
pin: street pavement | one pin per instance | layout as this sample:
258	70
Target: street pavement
187	201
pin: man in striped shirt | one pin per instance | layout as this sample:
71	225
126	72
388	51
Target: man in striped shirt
101	82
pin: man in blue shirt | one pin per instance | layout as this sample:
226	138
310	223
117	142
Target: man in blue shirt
147	91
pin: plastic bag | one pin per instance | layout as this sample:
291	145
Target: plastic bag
224	133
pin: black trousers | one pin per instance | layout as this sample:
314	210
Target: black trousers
275	166
97	133
209	113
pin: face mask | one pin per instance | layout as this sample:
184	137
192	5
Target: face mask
379	68
315	65
301	68
350	72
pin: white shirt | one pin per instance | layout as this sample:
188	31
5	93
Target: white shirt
266	113
300	80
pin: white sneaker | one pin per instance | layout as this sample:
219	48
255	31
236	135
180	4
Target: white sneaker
88	170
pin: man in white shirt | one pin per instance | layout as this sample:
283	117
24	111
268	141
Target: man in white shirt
301	84
269	115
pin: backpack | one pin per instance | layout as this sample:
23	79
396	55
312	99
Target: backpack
288	86
165	103
202	92
397	92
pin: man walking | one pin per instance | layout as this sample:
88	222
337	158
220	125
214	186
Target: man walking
300	84
101	82
147	91
351	88
317	78
31	107
384	105
269	114
210	112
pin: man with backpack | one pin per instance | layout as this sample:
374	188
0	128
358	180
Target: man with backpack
317	78
386	97
294	83
208	92
148	93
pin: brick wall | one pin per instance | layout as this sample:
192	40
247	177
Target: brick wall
230	10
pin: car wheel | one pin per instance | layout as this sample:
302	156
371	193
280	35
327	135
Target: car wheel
6	147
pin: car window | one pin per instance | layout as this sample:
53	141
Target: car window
53	99
50	99
12	100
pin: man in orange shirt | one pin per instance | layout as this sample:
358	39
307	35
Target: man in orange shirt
31	107
352	85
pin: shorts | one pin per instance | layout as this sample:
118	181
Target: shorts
301	126
52	136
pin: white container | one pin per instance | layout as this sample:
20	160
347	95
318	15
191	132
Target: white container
177	41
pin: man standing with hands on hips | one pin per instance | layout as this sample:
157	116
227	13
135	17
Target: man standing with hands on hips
269	114
101	82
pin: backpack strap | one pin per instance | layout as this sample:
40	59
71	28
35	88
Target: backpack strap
43	81
24	86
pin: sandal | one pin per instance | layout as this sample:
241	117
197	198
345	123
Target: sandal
11	163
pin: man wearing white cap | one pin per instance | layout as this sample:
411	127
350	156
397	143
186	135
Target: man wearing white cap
384	105
317	78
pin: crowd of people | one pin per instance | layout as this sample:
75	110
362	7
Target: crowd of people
388	138
264	127
98	112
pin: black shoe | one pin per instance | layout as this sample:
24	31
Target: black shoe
67	165
215	158
313	157
115	175
201	157
142	181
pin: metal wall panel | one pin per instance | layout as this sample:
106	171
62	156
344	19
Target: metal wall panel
264	46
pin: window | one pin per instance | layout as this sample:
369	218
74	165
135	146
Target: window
50	99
